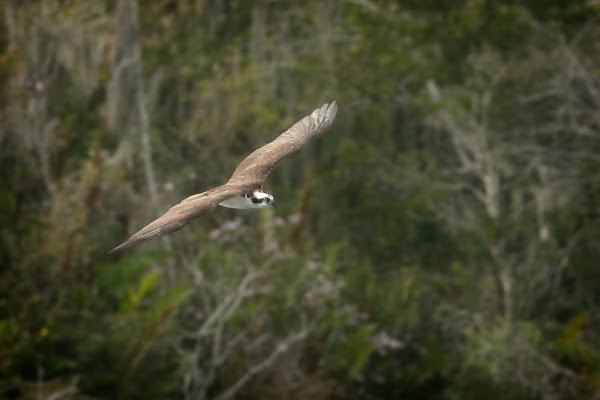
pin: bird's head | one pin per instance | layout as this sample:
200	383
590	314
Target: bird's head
262	199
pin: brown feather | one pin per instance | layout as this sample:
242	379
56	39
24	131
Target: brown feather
255	168
179	215
247	178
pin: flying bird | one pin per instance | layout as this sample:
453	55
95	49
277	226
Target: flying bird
244	188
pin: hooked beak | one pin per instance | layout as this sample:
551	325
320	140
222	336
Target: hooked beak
273	203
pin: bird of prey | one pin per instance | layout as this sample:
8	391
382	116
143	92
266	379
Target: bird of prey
244	188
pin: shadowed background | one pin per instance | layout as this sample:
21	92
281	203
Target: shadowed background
439	242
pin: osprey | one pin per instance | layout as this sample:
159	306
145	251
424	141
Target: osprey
244	188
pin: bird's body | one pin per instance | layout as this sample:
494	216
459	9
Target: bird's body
244	188
258	199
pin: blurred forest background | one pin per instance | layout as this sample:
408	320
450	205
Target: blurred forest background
441	241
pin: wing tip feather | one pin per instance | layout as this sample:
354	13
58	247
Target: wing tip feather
326	114
125	245
331	111
320	118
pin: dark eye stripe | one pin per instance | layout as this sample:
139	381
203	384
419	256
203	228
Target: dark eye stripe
255	200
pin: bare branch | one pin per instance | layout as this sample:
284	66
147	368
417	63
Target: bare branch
281	348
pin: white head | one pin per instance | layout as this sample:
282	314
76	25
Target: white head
261	199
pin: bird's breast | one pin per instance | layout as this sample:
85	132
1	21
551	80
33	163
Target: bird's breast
240	202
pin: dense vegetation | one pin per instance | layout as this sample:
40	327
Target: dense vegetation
440	242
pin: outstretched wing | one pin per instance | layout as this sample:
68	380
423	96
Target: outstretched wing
179	215
255	168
